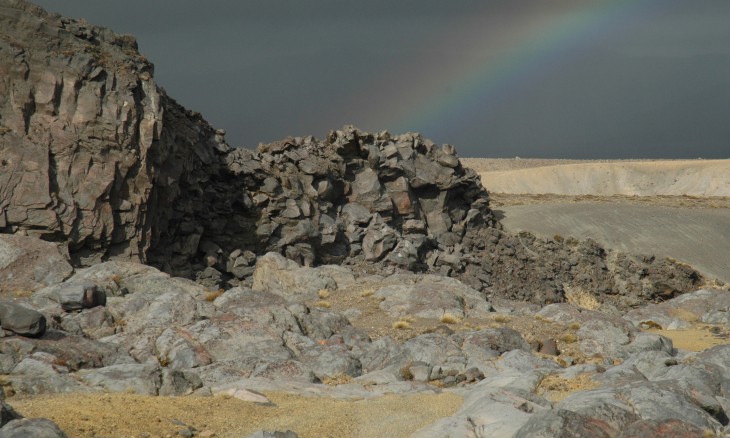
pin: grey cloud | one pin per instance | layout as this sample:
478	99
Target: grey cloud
265	69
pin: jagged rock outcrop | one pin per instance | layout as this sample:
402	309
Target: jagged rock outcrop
92	152
96	157
321	201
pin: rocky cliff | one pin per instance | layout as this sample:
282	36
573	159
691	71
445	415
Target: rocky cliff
92	152
96	157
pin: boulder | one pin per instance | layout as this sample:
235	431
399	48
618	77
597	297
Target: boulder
7	414
276	274
135	378
560	423
379	240
75	296
601	404
38	374
28	264
22	320
665	428
176	383
32	427
430	296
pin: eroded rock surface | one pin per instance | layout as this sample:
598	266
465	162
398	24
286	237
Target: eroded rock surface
93	153
98	160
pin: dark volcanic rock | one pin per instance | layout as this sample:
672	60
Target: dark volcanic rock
97	159
94	154
353	194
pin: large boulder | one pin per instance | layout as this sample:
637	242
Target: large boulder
28	264
35	427
22	320
276	274
75	296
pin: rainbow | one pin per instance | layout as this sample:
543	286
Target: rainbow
512	57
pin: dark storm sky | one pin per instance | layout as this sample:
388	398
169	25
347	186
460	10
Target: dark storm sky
558	79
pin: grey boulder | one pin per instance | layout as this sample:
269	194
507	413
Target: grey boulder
75	296
28	264
560	423
22	320
32	427
136	378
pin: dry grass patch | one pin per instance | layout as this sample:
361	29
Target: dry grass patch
406	373
323	304
579	297
22	293
211	296
501	318
368	291
402	325
649	324
555	388
337	379
697	338
450	318
569	338
323	294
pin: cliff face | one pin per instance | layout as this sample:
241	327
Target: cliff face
95	155
92	152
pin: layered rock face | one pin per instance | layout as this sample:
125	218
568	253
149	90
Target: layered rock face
92	152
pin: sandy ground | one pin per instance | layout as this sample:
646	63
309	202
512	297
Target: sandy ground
643	178
130	415
697	338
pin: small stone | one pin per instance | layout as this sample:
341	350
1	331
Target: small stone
473	375
549	347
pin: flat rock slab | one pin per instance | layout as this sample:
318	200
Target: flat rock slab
699	237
